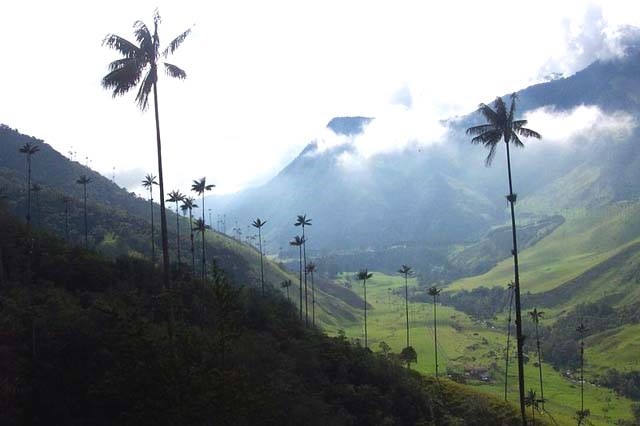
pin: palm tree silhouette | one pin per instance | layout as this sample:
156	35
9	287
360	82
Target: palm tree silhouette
501	125
434	292
176	197
311	268
127	72
406	271
35	188
536	316
84	181
364	275
532	401
582	414
200	187
299	242
148	182
259	224
189	204
201	226
28	149
286	284
303	221
66	200
510	287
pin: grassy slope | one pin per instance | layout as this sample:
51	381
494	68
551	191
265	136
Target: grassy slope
463	341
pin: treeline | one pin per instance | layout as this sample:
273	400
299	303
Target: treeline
626	383
481	303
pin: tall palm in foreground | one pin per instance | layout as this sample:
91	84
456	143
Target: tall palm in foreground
28	149
311	268
286	284
139	67
35	188
259	224
303	221
536	316
364	275
66	200
148	182
407	272
176	196
502	126
582	414
298	241
189	204
84	181
434	292
510	288
200	187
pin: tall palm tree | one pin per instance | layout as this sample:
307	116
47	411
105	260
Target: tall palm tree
35	188
510	287
84	181
127	72
259	224
532	401
201	226
200	187
435	292
303	221
364	275
189	204
66	200
311	268
298	241
407	272
28	149
286	284
536	316
502	125
148	182
582	414
176	196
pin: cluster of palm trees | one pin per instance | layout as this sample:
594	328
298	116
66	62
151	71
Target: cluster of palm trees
300	241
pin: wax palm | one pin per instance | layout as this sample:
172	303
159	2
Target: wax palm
311	268
188	204
303	221
139	67
299	242
259	224
286	284
176	196
84	181
200	187
532	401
35	188
407	272
66	201
29	149
435	292
510	287
200	226
502	125
582	414
148	182
364	275
536	316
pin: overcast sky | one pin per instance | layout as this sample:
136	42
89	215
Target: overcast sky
264	77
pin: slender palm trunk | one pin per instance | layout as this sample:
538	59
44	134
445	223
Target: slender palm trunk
163	213
38	210
300	282
366	342
506	367
539	366
406	304
306	294
193	250
288	298
313	301
435	334
204	260
178	237
86	232
29	189
153	239
261	263
582	376
519	336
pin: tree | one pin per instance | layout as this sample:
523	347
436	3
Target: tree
510	288
148	182
409	355
201	226
200	187
176	196
407	272
189	204
35	188
501	125
531	401
127	72
536	316
259	224
286	284
303	221
364	275
582	414
66	200
28	149
298	242
84	181
311	268
434	292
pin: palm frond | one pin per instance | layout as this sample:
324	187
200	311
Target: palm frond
527	133
175	43
488	113
125	76
477	130
142	98
512	109
122	45
488	138
143	36
490	155
174	71
515	140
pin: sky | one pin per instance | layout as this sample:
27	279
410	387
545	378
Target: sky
264	78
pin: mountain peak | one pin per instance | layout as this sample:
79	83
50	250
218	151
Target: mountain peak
348	125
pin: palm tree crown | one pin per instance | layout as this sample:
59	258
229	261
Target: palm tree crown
29	149
200	186
259	224
148	181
